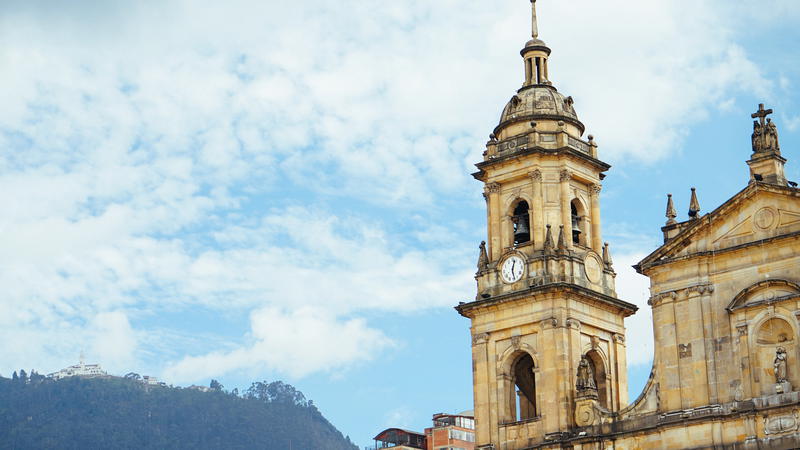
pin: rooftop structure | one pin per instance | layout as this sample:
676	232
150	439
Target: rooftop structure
79	370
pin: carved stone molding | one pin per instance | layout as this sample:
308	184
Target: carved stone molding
552	322
493	188
480	338
572	323
786	423
564	175
535	175
742	329
595	189
702	289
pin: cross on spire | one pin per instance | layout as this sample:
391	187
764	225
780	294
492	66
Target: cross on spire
534	23
761	114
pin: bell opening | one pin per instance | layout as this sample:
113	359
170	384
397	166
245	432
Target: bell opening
576	225
521	221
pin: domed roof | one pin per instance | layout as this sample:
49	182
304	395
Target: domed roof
539	102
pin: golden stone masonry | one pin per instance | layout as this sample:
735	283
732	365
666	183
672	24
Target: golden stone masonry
548	333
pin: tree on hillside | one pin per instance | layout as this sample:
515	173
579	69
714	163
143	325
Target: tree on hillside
216	385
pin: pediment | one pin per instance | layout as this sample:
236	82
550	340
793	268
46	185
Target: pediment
765	293
756	213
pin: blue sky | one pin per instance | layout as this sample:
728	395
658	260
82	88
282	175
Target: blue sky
264	190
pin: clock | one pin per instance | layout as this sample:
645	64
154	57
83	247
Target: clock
512	269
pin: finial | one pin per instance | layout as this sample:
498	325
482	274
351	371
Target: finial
607	255
483	258
562	244
548	239
671	213
534	22
694	205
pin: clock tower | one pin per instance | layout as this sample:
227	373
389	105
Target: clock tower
548	335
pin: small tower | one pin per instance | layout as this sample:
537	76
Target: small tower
545	301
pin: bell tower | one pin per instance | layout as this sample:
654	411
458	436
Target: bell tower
548	331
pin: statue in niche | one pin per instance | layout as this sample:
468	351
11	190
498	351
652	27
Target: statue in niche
585	376
483	258
780	365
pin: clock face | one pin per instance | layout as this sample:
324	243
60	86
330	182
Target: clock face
512	269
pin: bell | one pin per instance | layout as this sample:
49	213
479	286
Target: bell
522	233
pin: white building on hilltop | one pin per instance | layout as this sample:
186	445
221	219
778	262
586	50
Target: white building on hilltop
79	370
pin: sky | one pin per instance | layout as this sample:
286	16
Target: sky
262	190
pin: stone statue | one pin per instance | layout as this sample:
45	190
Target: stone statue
780	365
771	137
758	142
585	376
483	258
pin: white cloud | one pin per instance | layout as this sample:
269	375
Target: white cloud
114	341
296	343
136	142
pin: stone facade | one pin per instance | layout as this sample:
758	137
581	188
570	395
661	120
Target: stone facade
548	335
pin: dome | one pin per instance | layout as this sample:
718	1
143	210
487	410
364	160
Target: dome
539	102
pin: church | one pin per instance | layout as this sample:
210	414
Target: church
547	327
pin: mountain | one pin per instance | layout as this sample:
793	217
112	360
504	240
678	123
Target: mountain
124	413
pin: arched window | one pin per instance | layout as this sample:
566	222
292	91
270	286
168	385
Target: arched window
578	223
599	371
521	221
524	388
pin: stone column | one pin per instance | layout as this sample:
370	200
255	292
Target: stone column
537	209
566	211
597	242
495	246
481	388
620	370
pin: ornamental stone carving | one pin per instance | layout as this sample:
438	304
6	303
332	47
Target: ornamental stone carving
564	175
585	380
535	175
780	365
493	188
480	338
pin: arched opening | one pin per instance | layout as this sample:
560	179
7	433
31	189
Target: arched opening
524	400
599	370
521	222
578	222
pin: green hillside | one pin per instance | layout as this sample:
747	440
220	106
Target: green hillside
120	413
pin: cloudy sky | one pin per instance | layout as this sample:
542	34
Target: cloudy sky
250	190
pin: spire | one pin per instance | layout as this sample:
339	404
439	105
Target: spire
694	205
535	54
671	213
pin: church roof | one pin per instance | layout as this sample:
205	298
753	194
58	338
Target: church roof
539	102
670	250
